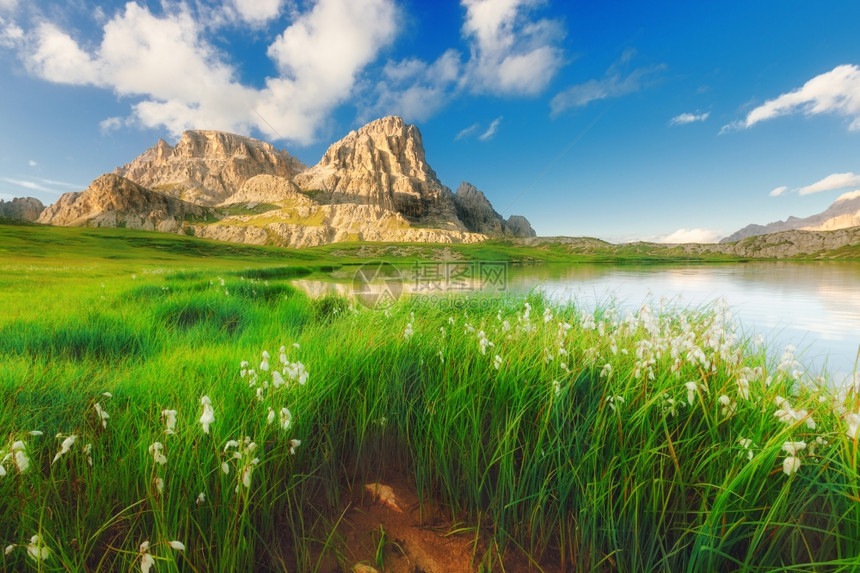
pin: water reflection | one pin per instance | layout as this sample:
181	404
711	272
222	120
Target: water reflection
814	306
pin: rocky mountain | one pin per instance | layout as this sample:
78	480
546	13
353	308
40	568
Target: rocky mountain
25	208
207	167
383	164
843	213
114	201
478	215
373	185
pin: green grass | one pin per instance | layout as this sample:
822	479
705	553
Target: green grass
552	454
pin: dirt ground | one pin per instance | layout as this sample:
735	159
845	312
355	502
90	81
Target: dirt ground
384	529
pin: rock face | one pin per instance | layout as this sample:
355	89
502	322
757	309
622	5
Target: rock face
478	215
383	164
843	213
304	225
207	167
114	201
269	189
25	208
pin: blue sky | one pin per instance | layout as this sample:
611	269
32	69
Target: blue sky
614	119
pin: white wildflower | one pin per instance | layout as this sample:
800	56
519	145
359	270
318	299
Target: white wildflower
408	332
20	457
159	484
88	452
790	465
692	388
853	421
64	447
146	560
201	498
556	388
9	549
286	418
497	362
293	445
208	416
791	448
615	402
102	414
270	417
169	421
156	451
177	545
37	550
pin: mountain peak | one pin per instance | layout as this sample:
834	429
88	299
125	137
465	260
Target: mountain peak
207	167
384	164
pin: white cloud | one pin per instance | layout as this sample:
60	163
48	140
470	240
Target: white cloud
464	133
32	163
8	5
11	35
831	182
258	11
686	118
848	196
415	89
836	91
491	131
510	53
28	185
613	84
692	236
778	191
183	82
111	124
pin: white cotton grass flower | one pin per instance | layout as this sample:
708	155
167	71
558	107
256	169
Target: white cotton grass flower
64	447
37	550
201	498
728	406
88	452
156	450
790	465
9	549
497	362
208	416
159	484
692	388
293	445
791	448
177	545
169	421
615	402
102	414
146	559
20	457
556	388
286	418
270	417
277	379
853	421
408	331
36	433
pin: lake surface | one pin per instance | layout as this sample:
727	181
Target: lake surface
812	306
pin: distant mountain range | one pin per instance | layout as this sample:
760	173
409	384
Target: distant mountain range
372	185
843	213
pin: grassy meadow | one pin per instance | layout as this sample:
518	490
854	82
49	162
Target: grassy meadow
175	405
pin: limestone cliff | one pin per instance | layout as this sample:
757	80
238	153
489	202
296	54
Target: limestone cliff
114	201
207	167
843	213
25	208
478	215
383	164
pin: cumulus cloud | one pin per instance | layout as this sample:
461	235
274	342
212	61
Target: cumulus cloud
778	191
692	236
8	5
686	118
836	92
831	182
613	84
510	53
11	34
258	11
491	131
184	82
415	89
